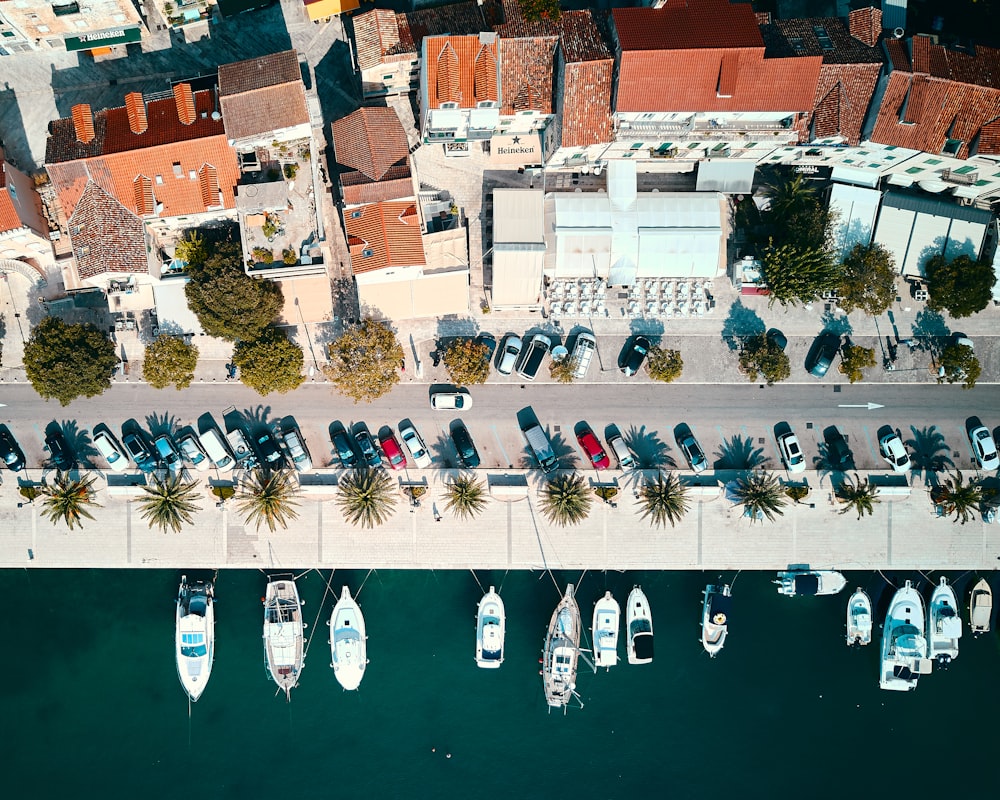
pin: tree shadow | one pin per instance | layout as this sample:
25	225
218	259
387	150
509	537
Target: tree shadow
825	469
650	451
741	324
740	453
259	417
565	453
162	423
80	443
836	323
444	451
929	453
650	328
930	330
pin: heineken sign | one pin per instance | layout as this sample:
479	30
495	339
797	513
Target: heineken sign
90	41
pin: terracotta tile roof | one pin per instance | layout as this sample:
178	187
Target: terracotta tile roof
356	188
865	25
526	74
843	94
384	235
455	19
135	108
585	113
10	220
687	25
258	73
184	100
898	57
580	37
376	34
83	123
989	137
370	140
843	48
105	236
920	52
261	95
461	69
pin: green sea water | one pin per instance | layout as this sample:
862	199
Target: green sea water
91	705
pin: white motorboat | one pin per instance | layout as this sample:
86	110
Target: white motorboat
195	635
859	618
284	637
491	624
562	651
715	612
944	625
807	582
904	648
348	642
980	607
640	628
607	621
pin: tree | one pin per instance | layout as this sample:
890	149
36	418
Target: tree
467	362
958	362
566	500
68	361
192	250
664	365
859	496
562	371
762	356
955	497
534	10
854	360
868	280
761	495
797	215
367	497
268	497
270	363
962	286
67	500
795	274
169	503
364	362
664	500
466	497
169	360
231	305
790	193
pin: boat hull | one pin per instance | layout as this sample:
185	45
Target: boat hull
490	631
605	626
859	619
715	618
640	628
806	583
348	642
284	640
944	624
980	607
195	636
561	652
904	648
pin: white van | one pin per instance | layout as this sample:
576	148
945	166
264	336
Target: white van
212	443
583	353
111	451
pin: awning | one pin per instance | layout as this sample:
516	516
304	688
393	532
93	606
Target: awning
726	176
860	177
519	149
899	179
91	41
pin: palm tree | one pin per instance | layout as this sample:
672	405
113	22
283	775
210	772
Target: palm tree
268	497
761	495
664	500
466	497
67	499
859	496
566	500
169	503
366	497
958	498
789	194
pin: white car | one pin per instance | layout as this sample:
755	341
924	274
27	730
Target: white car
891	447
791	452
297	451
111	451
459	400
416	446
984	447
193	453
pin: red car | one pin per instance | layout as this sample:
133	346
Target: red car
393	452
592	447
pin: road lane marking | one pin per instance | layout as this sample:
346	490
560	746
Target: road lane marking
510	464
868	437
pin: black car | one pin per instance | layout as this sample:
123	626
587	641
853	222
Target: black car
466	448
777	338
490	342
139	451
369	450
635	356
822	353
838	453
10	451
342	444
269	450
59	452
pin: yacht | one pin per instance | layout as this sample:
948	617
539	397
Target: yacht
195	635
607	621
640	628
283	633
491	622
562	651
904	648
348	642
944	625
715	618
980	607
859	618
805	582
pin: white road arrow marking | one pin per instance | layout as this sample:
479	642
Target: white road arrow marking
869	406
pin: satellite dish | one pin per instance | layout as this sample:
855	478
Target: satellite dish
597	169
898	33
216	116
585	169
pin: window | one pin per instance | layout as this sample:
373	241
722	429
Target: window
387	77
797	44
8	33
981	183
694	145
963	170
629	154
933	161
13	190
636	146
159	180
449	105
43	28
355	215
890	147
915	170
367	253
952	146
823	37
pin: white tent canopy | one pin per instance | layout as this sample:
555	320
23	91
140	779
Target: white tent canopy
518	248
855	209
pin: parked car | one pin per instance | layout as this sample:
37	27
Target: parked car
459	400
820	357
532	358
890	445
215	446
583	353
193	452
622	452
635	356
139	450
416	446
369	451
167	453
984	448
269	450
291	436
693	453
59	452
791	452
490	341
511	350
592	447
342	444
464	445
393	452
777	338
240	445
10	450
838	453
111	451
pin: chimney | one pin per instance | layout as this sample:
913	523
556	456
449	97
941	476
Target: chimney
83	123
184	98
136	108
865	25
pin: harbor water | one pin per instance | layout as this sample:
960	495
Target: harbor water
91	704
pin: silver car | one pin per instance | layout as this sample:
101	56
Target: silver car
193	452
416	446
511	350
296	447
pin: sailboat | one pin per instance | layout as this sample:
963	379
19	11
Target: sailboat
348	642
980	607
859	618
904	648
715	612
640	628
283	633
944	625
561	652
607	620
195	635
491	622
799	582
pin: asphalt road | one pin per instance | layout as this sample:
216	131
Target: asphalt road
734	423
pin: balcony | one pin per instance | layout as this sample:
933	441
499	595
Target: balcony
963	176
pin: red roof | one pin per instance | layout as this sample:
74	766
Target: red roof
105	236
693	24
370	140
461	69
9	218
586	103
843	94
384	235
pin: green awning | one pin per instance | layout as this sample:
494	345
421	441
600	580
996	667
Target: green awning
89	41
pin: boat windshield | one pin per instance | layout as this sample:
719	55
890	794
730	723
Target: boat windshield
194	652
491	655
345	635
806	584
193	645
